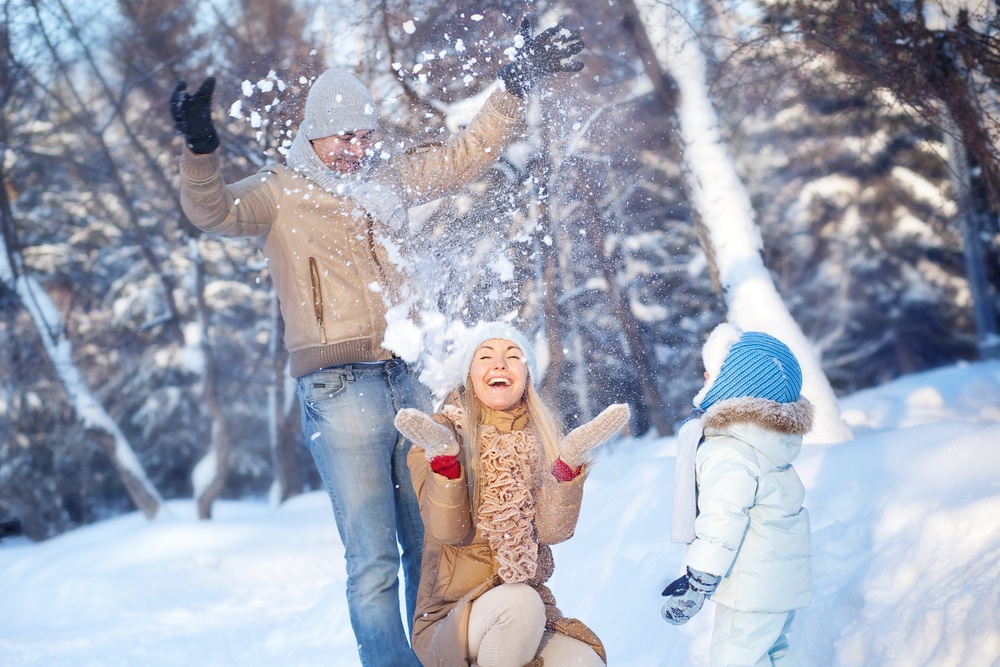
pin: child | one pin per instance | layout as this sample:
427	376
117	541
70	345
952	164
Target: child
749	541
497	482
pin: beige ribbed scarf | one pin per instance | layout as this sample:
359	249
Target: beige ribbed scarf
508	454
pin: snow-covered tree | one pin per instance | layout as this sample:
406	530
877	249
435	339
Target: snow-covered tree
941	58
724	210
59	352
582	233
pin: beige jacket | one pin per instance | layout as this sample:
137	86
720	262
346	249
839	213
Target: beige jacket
329	269
459	565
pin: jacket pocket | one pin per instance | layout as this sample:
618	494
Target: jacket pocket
460	569
317	295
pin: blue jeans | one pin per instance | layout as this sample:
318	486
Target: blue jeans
347	419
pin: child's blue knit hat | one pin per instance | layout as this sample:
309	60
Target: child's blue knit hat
490	330
757	365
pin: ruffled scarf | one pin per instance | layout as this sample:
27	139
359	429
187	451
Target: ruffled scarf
373	197
508	452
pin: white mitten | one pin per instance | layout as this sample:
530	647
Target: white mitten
437	440
578	443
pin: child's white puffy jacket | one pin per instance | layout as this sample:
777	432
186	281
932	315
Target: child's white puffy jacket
751	528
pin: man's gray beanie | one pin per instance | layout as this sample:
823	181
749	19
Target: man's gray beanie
338	102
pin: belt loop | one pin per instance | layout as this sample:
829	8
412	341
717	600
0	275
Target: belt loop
349	372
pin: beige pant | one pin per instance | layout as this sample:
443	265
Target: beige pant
506	626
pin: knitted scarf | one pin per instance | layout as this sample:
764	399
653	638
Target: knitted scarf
370	196
508	454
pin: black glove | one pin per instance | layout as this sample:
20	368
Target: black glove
193	116
541	55
686	595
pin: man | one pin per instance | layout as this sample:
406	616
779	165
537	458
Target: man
322	221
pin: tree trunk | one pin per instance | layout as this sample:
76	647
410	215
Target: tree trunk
550	315
637	355
975	267
283	421
549	289
209	475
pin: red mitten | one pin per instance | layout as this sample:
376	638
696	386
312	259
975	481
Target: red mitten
446	466
564	472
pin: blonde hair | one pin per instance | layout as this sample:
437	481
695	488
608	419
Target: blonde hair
542	420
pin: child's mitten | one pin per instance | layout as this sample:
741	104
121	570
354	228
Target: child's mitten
576	446
686	595
437	440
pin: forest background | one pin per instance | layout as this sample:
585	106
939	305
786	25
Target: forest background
141	360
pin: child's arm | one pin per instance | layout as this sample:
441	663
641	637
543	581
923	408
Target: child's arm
727	487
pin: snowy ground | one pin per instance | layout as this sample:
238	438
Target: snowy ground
906	568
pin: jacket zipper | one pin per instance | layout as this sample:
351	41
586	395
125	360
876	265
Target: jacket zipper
317	293
371	249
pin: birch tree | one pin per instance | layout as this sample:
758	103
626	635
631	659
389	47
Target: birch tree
732	241
47	320
98	423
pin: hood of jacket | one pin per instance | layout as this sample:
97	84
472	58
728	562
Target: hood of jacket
774	429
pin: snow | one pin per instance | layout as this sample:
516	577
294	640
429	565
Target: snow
906	558
923	190
940	15
460	113
205	472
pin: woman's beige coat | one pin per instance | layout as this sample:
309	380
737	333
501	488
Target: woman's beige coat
459	565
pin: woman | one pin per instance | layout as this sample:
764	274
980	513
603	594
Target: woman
497	483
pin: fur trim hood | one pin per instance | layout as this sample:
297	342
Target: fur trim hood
784	418
774	429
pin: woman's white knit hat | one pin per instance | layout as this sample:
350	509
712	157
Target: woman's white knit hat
338	102
491	330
